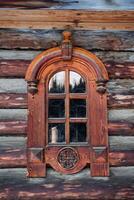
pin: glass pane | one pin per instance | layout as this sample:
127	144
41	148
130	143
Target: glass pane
77	83
78	132
77	108
56	108
57	83
56	133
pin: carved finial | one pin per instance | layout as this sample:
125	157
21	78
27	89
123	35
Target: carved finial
67	35
66	46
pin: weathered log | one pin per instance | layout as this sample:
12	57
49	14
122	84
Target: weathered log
13	100
19	128
19	100
105	56
67	19
12	151
17	68
64	4
120	101
114	115
13	68
115	87
44	39
56	186
121	128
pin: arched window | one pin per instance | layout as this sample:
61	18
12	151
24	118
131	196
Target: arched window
67	120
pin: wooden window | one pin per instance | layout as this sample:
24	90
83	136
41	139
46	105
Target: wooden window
67	117
67	120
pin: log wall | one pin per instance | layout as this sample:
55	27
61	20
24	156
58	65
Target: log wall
22	40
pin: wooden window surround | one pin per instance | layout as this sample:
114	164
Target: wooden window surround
67	112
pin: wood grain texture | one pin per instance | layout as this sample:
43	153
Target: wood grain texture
45	39
67	19
78	186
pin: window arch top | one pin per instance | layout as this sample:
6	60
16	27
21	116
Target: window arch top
75	81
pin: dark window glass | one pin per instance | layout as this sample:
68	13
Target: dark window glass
57	83
78	132
77	83
77	108
56	108
56	133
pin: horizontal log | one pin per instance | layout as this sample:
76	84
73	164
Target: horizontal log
63	19
13	100
13	154
64	4
105	56
114	115
19	128
44	39
17	68
77	186
114	87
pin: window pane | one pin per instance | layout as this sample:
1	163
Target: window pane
56	133
57	83
78	132
56	108
77	108
77	83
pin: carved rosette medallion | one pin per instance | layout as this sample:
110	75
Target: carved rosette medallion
68	158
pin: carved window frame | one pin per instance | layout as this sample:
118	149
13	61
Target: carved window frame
38	154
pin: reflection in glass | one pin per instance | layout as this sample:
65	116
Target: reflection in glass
77	83
77	108
77	132
57	83
56	133
56	108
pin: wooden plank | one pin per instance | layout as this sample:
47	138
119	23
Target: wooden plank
57	186
44	39
67	15
12	151
17	68
63	19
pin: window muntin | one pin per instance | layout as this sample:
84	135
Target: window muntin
67	108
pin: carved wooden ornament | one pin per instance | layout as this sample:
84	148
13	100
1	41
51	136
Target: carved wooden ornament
44	146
